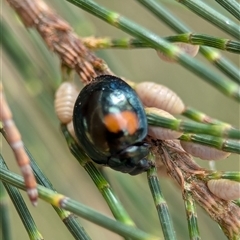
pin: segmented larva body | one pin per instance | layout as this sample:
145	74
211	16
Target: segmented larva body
203	152
225	189
65	98
159	96
189	49
159	132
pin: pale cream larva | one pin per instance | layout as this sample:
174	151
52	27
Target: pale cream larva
187	48
159	132
225	189
204	152
65	98
159	96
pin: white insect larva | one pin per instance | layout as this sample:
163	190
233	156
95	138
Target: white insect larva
204	152
159	96
187	48
65	98
159	132
225	189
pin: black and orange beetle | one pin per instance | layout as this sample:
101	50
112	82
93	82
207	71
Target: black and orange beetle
110	123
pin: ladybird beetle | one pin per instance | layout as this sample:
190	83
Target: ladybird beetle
110	123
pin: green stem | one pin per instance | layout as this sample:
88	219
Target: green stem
193	127
198	116
226	145
191	38
221	63
21	208
237	202
113	202
234	176
225	86
77	208
212	16
68	219
231	6
5	227
161	205
176	24
191	213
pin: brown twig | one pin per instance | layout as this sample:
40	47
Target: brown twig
14	140
189	176
60	38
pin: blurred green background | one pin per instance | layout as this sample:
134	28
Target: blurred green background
30	73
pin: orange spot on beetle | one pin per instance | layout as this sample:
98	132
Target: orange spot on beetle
122	121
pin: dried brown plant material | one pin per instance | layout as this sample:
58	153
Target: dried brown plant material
192	178
60	38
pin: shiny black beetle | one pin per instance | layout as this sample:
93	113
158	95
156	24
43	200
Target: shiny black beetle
110	124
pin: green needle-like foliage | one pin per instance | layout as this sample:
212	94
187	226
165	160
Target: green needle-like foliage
235	176
231	6
237	202
59	200
115	19
213	16
178	26
198	116
21	208
193	127
103	186
191	38
226	145
161	205
68	219
5	227
191	216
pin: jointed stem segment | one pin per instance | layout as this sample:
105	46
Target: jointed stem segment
13	137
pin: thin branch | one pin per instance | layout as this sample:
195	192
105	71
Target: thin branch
60	38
